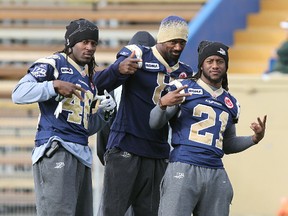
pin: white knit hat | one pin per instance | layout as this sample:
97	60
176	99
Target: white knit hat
172	27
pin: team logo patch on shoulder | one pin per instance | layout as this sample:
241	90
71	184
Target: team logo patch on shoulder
195	91
153	66
228	102
66	70
39	70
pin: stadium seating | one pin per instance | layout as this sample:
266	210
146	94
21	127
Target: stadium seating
32	29
19	45
29	33
254	45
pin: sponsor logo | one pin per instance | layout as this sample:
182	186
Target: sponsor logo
228	103
59	165
153	66
195	91
221	51
179	175
66	70
213	102
124	53
126	154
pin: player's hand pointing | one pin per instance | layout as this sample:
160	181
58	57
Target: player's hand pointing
173	97
67	89
129	65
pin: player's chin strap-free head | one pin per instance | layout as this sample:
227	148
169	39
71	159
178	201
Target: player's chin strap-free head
79	30
209	48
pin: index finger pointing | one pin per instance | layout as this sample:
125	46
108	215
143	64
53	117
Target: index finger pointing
75	92
78	95
80	89
181	88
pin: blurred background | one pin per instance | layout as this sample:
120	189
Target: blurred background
253	29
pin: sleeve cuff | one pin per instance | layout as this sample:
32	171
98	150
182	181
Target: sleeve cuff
51	89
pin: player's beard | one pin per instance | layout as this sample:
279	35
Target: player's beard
171	58
214	81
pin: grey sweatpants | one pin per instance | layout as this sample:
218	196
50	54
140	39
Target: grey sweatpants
63	186
188	189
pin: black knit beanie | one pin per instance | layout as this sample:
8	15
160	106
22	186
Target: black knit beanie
143	38
208	48
79	30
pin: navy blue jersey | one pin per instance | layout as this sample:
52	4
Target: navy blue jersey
72	123
141	91
198	128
